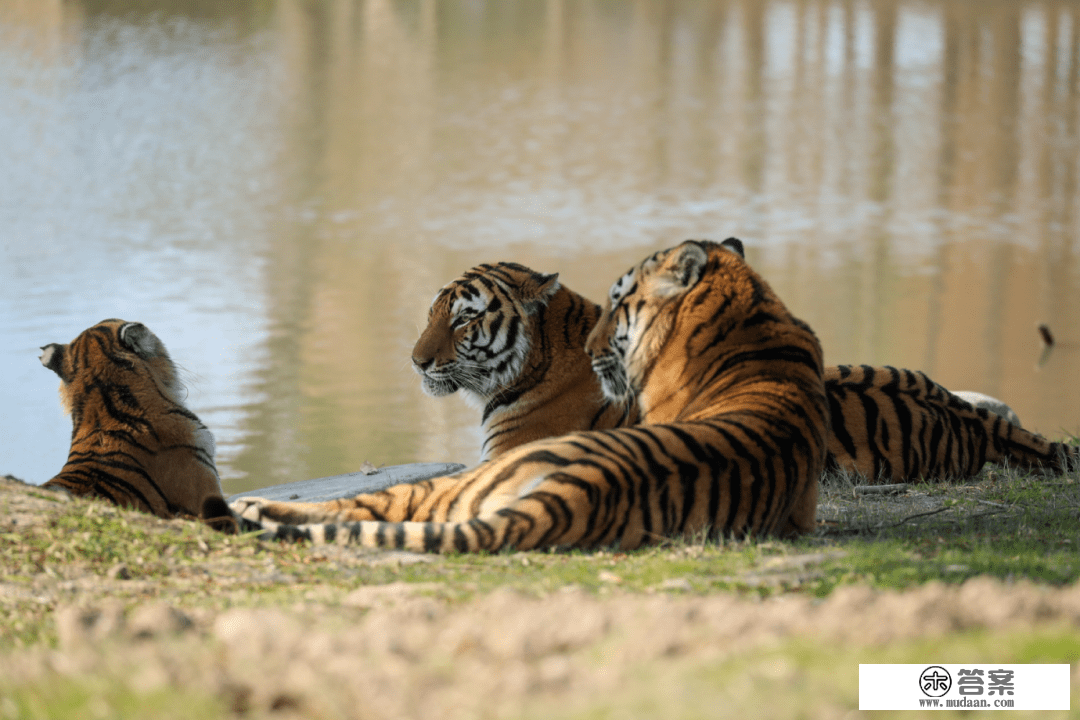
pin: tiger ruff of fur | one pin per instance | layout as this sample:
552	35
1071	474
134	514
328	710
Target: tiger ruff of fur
133	442
734	383
513	340
892	425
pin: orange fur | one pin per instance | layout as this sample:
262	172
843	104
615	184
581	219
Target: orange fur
893	425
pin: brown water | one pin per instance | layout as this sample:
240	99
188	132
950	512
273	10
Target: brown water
278	189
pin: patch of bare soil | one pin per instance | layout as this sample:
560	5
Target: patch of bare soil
390	651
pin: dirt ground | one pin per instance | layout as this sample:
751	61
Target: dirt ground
413	650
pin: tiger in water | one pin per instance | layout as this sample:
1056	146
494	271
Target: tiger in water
732	442
133	442
491	333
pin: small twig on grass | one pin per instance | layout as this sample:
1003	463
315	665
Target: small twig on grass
988	513
894	489
913	517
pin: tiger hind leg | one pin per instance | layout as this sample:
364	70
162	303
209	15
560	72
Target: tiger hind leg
803	517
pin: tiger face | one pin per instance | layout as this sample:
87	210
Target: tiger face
640	313
477	336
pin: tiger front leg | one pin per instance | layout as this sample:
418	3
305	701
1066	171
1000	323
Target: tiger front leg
268	514
410	501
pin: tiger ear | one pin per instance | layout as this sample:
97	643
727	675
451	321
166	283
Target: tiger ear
680	270
52	357
137	338
537	290
734	245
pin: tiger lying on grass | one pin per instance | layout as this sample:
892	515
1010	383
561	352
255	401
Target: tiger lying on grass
729	385
132	441
515	339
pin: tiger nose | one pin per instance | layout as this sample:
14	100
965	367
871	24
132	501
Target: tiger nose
422	363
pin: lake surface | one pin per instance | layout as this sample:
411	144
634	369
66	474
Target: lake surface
279	188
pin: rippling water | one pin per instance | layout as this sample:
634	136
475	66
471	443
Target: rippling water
278	189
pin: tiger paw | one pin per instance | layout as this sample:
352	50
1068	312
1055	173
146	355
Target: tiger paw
253	514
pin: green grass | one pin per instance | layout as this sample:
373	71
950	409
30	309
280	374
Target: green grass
91	699
803	679
1008	525
794	678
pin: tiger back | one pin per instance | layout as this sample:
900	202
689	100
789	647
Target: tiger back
733	383
892	425
513	340
133	442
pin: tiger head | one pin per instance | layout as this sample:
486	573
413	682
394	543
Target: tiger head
479	327
125	399
647	304
117	351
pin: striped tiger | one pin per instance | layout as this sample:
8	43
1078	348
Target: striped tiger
133	442
513	341
730	384
893	425
888	425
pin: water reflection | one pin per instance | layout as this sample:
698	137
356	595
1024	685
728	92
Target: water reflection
278	189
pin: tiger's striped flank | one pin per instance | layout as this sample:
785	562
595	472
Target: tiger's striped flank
892	425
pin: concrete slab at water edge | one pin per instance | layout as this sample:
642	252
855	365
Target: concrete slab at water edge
349	484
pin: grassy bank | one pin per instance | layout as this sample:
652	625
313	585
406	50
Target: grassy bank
107	593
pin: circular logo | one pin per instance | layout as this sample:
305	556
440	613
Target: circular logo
935	681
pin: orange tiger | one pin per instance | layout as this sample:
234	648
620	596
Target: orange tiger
133	442
730	384
893	425
514	340
888	425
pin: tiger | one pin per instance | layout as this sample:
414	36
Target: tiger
893	425
513	341
732	442
888	425
133	442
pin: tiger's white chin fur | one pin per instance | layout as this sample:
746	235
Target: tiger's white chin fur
438	386
477	388
613	380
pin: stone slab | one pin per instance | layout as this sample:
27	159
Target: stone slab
340	486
